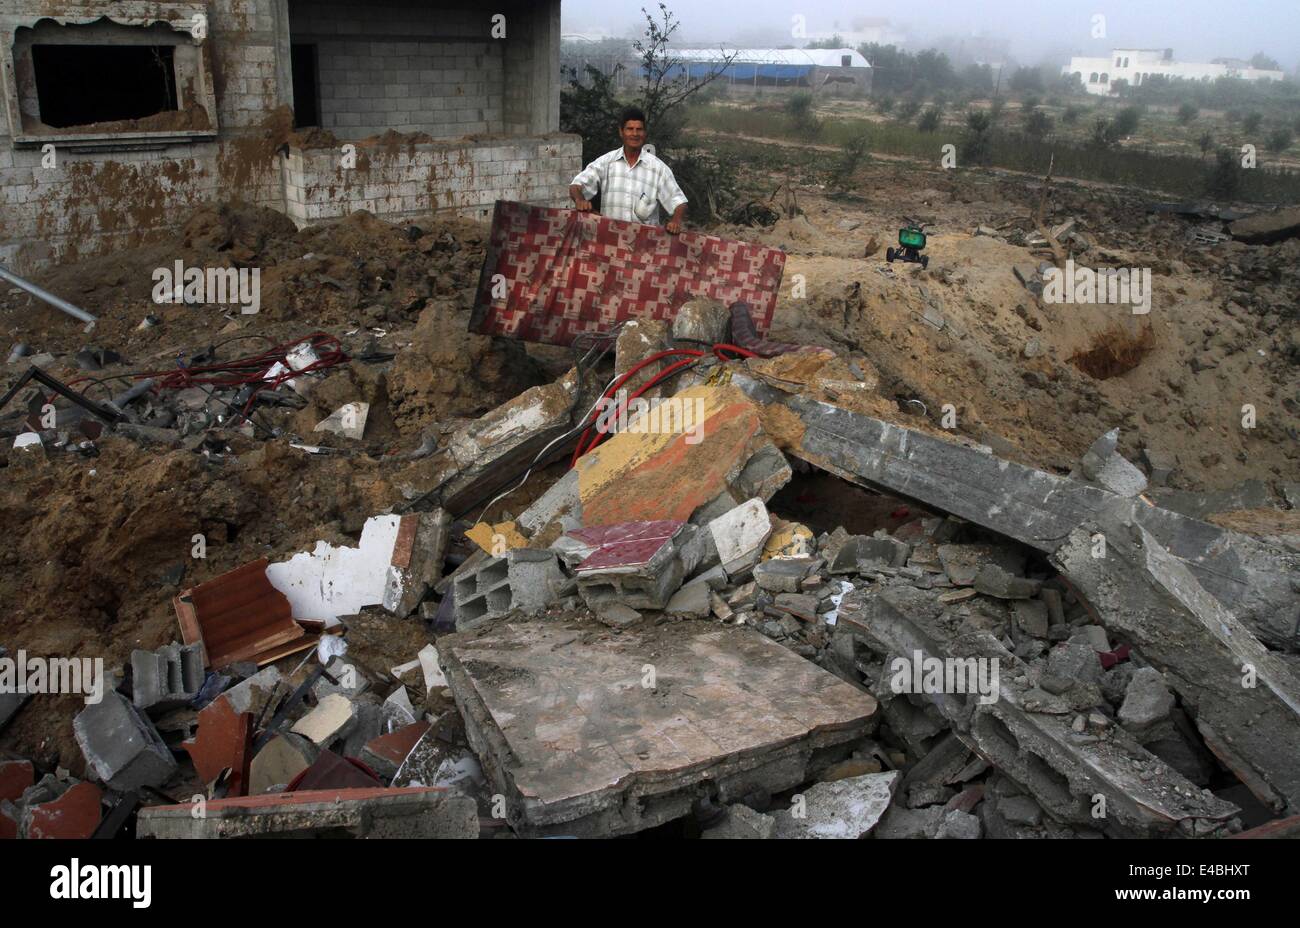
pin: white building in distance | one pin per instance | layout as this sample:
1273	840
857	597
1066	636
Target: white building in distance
1137	65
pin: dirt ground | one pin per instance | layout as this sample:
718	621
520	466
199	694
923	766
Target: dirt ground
96	542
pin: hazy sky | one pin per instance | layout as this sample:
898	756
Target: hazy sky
1197	30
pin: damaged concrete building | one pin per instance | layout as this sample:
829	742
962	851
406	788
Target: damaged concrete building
120	117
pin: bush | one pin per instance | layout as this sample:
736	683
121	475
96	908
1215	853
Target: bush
1030	102
996	108
1037	124
1126	120
1205	143
1251	123
1072	114
1104	134
908	109
852	153
799	107
929	121
884	105
1186	113
1280	139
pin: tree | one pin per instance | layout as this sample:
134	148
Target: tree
665	83
1186	113
978	77
979	129
1072	114
934	70
852	153
884	105
907	109
1205	143
1264	62
1250	124
1224	177
929	121
1026	79
833	42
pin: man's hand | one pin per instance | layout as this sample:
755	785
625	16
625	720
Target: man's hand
581	205
674	224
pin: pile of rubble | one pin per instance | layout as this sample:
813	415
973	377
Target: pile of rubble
654	637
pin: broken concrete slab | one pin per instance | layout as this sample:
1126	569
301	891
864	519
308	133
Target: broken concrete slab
1147	700
672	474
1032	506
121	745
1028	738
846	808
222	742
1245	699
1268	227
610	734
74	814
739	536
167	678
490	453
416	812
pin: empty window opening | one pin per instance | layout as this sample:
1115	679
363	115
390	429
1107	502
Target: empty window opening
306	92
77	85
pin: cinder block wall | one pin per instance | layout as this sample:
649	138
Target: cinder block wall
409	66
462	177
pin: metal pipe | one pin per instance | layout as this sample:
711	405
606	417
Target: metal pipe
57	302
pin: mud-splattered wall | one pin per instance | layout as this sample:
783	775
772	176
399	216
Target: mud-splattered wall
126	184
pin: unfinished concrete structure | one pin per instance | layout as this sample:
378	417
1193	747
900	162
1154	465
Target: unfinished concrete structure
120	117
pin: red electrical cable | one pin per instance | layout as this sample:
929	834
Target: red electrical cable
252	369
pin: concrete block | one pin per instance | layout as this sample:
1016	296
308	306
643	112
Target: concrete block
280	760
167	678
738	536
416	812
637	564
121	745
993	580
332	719
847	808
1147	700
525	580
783	574
963	562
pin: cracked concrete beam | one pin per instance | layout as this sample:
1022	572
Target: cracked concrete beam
1027	734
1035	507
1208	656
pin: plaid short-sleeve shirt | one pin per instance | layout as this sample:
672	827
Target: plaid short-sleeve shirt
648	183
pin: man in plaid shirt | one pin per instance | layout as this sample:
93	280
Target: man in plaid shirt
632	183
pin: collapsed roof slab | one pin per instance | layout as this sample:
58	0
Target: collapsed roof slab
1026	733
1034	507
1245	700
591	733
